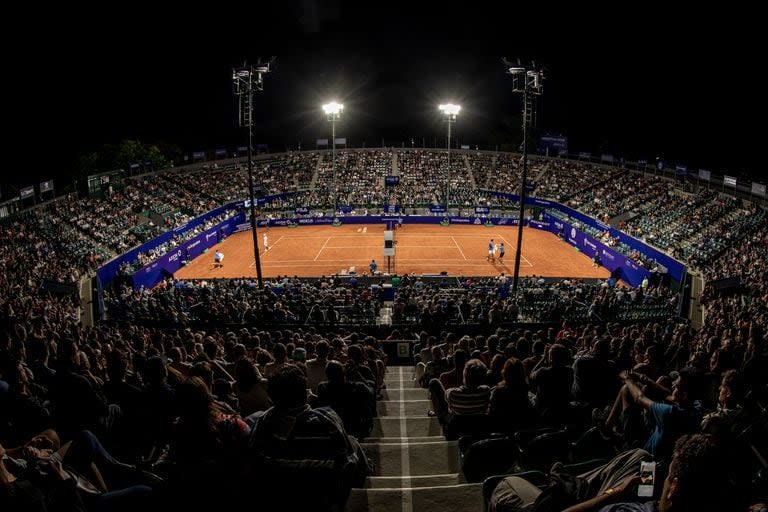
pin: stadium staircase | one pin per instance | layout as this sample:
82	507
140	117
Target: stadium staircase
468	170
415	467
315	174
540	175
194	190
493	170
385	314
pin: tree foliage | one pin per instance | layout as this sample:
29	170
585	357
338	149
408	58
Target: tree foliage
110	157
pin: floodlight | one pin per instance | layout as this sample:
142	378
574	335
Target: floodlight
450	109
333	108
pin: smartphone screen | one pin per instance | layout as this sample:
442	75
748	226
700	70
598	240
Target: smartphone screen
647	478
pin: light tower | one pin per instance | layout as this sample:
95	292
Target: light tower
450	111
529	81
333	112
246	80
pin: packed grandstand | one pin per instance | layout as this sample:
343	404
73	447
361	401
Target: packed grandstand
326	393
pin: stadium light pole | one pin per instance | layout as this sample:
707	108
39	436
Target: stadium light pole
529	82
333	112
246	80
450	111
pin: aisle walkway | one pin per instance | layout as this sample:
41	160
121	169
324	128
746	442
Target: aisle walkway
416	468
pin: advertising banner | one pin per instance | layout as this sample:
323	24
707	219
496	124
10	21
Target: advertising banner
149	275
108	272
631	272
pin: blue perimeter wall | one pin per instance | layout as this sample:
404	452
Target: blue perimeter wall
631	272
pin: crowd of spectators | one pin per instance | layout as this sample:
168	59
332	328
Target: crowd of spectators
490	302
197	381
143	258
562	179
285	173
616	195
283	301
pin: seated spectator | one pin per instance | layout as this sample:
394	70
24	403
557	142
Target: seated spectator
281	359
79	405
669	420
23	414
469	399
493	376
694	482
293	446
204	430
435	367
594	376
78	476
454	377
510	409
730	416
250	388
316	366
351	400
552	383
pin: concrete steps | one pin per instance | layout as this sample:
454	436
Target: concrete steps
405	426
407	394
430	458
454	498
397	482
413	439
405	407
415	467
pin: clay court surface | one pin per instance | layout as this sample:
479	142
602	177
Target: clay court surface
308	251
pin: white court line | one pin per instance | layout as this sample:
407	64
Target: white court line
459	248
514	247
378	246
378	235
321	249
482	262
253	263
405	459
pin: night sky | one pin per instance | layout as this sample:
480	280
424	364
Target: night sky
657	85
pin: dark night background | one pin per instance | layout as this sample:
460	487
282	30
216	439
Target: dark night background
634	84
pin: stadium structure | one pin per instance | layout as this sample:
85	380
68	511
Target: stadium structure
641	289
